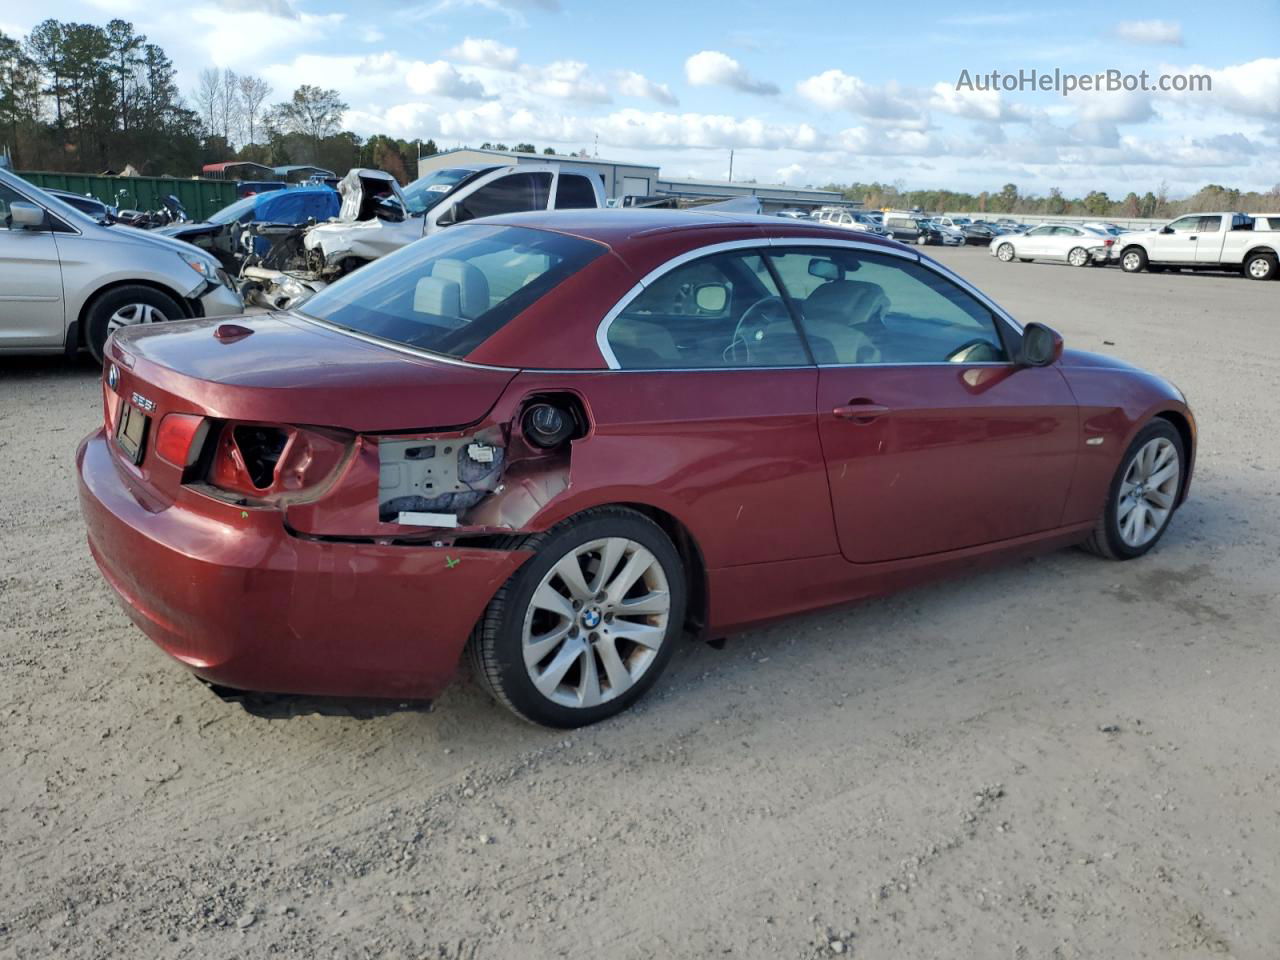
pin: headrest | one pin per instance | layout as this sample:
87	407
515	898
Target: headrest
473	287
438	297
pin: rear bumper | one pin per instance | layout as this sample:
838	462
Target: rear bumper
242	603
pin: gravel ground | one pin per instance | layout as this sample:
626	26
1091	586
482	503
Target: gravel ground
1062	758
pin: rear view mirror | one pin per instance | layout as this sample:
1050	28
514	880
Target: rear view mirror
711	297
1041	346
23	215
823	269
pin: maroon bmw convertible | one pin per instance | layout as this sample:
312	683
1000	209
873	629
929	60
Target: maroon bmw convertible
561	441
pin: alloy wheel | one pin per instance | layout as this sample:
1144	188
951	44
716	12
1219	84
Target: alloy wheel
595	622
132	314
1132	261
1077	257
1005	252
1148	491
1259	268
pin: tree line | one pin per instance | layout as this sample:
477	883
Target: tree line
1151	205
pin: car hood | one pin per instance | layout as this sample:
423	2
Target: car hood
190	229
1084	358
288	369
150	238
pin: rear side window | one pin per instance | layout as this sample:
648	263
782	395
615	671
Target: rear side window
574	193
450	292
1210	224
514	193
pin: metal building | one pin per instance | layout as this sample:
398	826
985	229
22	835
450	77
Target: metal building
773	196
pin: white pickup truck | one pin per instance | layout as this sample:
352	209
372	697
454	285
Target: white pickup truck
1206	241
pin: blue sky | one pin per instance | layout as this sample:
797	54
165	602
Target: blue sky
802	92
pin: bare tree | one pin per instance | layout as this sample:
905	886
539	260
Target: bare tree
207	95
253	93
229	105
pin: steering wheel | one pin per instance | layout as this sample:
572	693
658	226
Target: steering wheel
977	350
753	323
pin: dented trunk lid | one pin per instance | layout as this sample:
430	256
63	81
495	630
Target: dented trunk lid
286	369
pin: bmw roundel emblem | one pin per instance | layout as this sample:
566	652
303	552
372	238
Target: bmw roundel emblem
113	376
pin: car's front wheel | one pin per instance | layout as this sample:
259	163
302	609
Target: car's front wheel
1004	252
583	629
1143	494
1133	260
124	307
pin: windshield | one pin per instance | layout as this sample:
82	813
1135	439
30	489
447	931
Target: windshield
55	205
425	192
240	210
450	292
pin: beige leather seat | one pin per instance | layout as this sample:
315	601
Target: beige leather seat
835	311
642	342
473	286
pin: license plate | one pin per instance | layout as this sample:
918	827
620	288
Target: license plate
131	431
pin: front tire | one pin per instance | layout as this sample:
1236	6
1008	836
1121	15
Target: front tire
1143	494
1133	260
1004	253
1260	266
585	628
125	307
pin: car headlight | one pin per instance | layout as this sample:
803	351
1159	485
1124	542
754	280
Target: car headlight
201	266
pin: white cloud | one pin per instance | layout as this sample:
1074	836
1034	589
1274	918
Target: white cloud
513	10
982	105
792	172
483	52
1150	33
1251	89
837	90
632	84
442	79
711	68
275	8
568	80
353	76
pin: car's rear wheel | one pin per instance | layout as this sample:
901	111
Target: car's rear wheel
1004	253
125	307
1133	260
582	630
1143	494
1260	266
1078	257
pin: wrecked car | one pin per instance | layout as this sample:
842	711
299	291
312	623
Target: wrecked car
559	441
377	217
223	233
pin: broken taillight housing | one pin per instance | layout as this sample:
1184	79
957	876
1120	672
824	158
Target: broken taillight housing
180	438
262	460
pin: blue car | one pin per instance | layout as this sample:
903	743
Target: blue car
221	233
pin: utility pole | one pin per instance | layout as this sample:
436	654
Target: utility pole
731	165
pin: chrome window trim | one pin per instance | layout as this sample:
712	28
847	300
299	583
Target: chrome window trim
611	360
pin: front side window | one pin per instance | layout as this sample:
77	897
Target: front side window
449	292
514	193
1185	225
722	310
858	307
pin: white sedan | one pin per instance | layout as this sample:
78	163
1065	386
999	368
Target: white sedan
1078	245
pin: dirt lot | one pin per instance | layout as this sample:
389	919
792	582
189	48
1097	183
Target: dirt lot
1064	758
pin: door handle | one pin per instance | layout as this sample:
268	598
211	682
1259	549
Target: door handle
860	412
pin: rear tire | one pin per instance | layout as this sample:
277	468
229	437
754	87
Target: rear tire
1141	487
126	306
1260	266
1078	257
538	620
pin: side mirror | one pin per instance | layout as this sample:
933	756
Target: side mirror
1166	229
24	215
711	298
1041	346
450	216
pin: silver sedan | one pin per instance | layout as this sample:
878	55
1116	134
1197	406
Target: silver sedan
1077	245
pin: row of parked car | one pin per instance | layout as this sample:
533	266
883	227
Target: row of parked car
1247	243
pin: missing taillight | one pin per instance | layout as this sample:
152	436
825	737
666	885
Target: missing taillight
260	447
